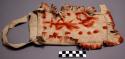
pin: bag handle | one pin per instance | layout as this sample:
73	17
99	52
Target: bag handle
11	25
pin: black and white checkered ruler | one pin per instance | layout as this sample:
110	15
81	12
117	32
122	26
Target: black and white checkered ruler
72	54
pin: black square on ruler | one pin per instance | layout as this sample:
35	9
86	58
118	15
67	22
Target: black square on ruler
67	55
80	55
74	55
60	55
63	52
70	52
84	52
77	52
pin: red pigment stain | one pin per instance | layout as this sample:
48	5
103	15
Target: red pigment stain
67	37
44	33
67	33
55	34
44	27
50	36
89	33
59	37
104	27
78	14
80	33
88	22
96	31
68	14
59	25
109	14
44	15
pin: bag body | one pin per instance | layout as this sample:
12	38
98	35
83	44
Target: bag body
72	25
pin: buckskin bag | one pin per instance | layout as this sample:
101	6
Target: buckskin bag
72	25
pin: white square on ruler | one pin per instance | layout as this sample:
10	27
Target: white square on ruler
77	55
60	52
67	52
84	55
63	55
70	55
73	52
80	52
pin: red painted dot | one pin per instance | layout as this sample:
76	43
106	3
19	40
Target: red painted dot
59	37
95	31
50	36
80	33
55	34
68	14
89	33
44	27
104	27
44	16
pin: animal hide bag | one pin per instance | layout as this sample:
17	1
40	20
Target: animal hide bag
73	25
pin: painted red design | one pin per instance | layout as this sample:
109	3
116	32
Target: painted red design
68	14
44	33
80	33
87	21
96	31
67	33
55	35
44	27
104	27
89	33
110	15
111	18
61	23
